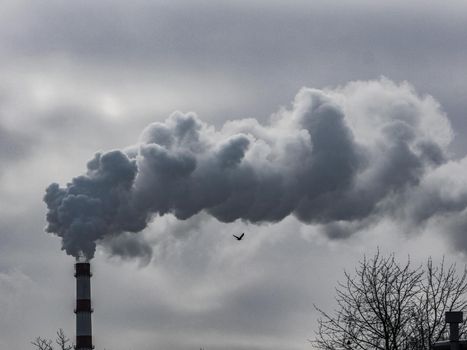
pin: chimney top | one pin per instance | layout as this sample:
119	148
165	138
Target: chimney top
83	269
454	317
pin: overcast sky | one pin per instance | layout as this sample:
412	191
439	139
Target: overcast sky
387	170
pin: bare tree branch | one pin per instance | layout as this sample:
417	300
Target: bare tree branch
63	342
42	343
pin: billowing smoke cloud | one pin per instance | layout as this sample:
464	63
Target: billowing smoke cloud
337	158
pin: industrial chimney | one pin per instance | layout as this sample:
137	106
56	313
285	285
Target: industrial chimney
83	306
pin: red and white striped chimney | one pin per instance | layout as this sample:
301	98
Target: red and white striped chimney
83	306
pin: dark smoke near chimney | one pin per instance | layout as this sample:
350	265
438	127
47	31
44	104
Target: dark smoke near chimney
336	157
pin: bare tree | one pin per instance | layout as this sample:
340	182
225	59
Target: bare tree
42	343
63	342
389	306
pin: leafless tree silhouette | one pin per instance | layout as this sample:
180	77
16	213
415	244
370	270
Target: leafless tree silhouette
42	344
61	340
390	306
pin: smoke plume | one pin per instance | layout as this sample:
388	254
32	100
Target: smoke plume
335	157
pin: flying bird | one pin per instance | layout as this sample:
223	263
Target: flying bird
239	238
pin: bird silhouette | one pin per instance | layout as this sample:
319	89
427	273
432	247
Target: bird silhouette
239	238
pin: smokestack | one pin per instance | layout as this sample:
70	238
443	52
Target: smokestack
83	306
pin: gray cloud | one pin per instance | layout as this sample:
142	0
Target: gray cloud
128	246
336	156
111	29
140	44
13	145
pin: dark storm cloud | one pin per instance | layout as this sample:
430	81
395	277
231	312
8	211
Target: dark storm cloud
335	157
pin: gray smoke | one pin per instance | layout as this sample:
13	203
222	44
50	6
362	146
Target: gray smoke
336	157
